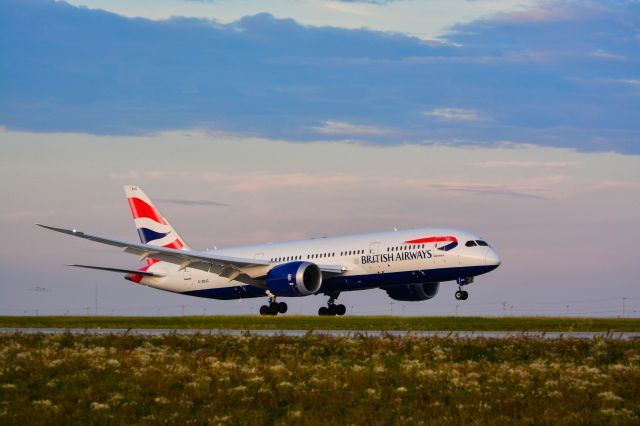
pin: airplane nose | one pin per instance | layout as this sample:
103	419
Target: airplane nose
492	258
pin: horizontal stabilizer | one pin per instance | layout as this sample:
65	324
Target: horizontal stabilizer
123	271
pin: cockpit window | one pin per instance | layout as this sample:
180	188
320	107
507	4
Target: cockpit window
482	243
470	243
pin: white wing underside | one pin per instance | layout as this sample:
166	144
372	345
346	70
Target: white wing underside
226	266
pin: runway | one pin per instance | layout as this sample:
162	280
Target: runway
334	333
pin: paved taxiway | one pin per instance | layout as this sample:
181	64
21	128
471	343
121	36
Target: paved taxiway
335	333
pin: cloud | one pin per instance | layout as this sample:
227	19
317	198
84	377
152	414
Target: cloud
258	181
188	202
342	128
252	182
533	188
601	54
524	164
453	114
543	11
76	69
376	2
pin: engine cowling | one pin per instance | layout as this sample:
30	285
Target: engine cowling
294	279
412	292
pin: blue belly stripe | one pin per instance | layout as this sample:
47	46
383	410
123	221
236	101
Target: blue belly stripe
352	283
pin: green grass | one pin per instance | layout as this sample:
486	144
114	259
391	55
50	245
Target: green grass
291	322
316	380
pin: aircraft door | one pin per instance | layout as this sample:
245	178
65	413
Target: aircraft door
186	274
438	254
376	265
374	248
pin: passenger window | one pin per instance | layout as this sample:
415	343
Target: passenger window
482	243
470	243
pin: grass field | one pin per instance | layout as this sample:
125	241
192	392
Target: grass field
314	380
291	322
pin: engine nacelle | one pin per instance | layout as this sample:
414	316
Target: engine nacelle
412	292
294	279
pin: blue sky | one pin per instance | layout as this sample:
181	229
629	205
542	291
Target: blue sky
252	121
562	74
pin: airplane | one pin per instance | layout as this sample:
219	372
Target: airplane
408	265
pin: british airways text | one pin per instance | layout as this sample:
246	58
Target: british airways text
397	257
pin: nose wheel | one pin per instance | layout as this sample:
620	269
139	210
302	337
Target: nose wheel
462	295
274	307
332	308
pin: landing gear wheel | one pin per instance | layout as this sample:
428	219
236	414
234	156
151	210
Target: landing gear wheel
462	295
332	308
264	310
273	308
282	307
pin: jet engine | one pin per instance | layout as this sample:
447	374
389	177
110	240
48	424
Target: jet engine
294	279
412	292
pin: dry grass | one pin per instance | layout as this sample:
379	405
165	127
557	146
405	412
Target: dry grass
121	379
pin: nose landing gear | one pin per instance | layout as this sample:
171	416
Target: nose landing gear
274	308
462	294
331	308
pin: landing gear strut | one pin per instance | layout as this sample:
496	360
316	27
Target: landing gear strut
461	294
274	308
331	308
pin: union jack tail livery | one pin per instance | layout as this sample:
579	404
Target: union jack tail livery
152	227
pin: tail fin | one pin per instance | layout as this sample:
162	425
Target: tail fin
152	227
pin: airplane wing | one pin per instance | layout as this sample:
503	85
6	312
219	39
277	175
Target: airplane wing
226	266
122	271
208	261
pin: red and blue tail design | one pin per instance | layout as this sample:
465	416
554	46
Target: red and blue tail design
152	227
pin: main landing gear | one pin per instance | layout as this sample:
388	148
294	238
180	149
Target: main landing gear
274	308
461	294
331	308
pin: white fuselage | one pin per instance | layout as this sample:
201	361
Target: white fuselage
370	260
